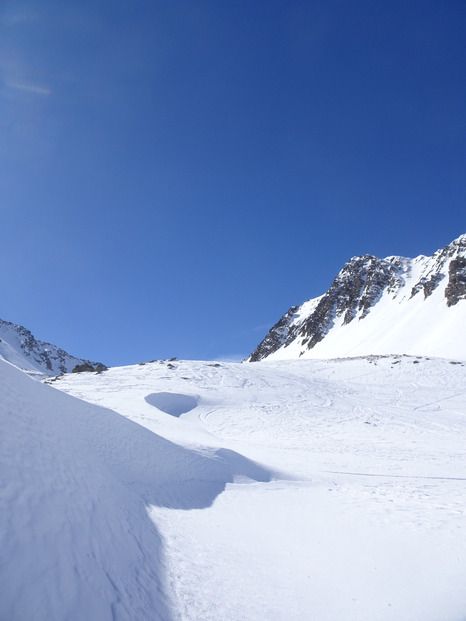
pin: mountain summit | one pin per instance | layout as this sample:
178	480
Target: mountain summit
380	306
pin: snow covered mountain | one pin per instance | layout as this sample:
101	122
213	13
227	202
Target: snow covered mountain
18	346
380	306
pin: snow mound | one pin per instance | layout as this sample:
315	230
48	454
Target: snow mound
171	403
79	483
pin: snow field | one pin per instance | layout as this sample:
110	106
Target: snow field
365	515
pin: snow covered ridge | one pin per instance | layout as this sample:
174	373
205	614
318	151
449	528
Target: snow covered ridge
18	346
380	306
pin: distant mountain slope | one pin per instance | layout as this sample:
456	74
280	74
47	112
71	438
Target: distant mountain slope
18	346
380	306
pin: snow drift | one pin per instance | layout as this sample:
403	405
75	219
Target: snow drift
77	484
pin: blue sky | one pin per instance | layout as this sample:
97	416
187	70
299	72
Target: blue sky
175	175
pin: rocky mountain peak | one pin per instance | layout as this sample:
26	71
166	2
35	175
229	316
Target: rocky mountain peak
363	284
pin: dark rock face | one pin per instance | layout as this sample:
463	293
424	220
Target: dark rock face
354	291
275	338
456	288
86	367
428	285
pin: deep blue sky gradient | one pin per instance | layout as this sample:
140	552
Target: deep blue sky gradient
174	175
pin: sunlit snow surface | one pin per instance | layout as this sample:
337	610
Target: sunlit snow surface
313	490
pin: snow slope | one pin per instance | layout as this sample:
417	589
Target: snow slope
364	518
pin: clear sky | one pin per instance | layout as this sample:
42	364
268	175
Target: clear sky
175	174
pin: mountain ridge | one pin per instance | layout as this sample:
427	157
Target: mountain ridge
20	347
319	327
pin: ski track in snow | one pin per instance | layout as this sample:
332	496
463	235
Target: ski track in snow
317	490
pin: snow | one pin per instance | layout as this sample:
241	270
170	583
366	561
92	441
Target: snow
310	489
172	403
77	482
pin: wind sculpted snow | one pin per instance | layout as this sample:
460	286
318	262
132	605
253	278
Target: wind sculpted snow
172	403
